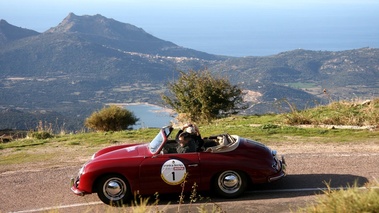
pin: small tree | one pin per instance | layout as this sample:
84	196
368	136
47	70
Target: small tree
111	118
203	97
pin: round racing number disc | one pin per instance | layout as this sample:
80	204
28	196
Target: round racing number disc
173	172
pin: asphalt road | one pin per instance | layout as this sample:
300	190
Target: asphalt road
309	168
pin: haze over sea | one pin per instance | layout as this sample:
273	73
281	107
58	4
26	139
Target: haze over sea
223	27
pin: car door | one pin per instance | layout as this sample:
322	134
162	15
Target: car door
165	173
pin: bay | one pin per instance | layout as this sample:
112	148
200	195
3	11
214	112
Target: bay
150	116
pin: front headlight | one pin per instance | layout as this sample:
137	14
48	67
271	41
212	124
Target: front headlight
81	170
276	164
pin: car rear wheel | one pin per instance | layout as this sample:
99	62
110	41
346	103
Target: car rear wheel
113	190
230	183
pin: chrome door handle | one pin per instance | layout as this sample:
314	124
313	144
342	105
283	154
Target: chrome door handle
193	165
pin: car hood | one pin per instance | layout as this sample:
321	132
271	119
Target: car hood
124	151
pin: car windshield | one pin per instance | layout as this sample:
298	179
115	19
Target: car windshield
159	139
156	142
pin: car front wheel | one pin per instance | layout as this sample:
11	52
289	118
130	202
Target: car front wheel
113	190
230	183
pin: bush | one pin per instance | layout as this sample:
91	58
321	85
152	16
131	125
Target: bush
202	98
111	118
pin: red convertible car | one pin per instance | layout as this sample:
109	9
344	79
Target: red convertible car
228	165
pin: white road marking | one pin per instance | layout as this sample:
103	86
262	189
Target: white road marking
302	155
248	192
306	189
59	207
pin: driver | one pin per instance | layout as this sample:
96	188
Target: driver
186	143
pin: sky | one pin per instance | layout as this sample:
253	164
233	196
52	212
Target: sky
233	27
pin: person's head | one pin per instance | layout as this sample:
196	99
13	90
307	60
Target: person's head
184	137
191	128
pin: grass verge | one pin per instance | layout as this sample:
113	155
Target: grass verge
354	199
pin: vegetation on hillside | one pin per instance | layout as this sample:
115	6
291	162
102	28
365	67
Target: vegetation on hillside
266	128
337	113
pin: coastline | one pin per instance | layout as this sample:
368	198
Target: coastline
162	109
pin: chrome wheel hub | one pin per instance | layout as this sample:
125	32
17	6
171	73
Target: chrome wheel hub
229	181
114	189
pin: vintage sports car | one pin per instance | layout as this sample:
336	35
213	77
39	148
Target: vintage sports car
227	165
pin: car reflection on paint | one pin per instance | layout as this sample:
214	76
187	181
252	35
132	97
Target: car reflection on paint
229	164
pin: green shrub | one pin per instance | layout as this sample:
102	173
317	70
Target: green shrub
40	135
202	97
111	118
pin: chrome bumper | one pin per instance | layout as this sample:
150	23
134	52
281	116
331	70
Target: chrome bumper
74	189
282	173
272	179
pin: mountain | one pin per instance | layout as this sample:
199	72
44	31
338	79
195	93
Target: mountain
117	35
10	33
75	71
64	74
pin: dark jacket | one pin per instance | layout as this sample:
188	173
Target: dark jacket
189	147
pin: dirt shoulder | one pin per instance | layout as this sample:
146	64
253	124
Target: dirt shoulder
309	147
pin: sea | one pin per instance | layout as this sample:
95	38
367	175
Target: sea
264	32
270	40
150	116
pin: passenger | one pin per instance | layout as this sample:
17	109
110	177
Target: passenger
186	143
195	134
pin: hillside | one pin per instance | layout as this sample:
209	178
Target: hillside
323	76
86	61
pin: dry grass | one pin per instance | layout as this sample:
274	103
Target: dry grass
354	199
337	113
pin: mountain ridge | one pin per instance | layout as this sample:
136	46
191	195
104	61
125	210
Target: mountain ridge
9	33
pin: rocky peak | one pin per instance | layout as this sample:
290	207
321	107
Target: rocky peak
96	25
